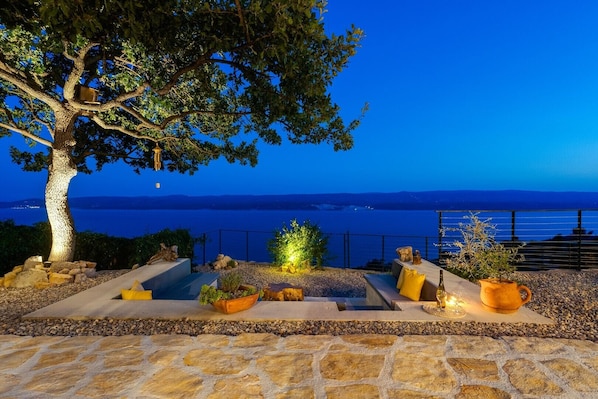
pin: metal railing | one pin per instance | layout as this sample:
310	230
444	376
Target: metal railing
550	238
346	250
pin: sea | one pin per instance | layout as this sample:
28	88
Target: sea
357	236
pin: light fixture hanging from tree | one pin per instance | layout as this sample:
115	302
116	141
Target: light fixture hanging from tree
157	157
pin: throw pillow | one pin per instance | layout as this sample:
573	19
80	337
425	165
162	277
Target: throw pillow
133	295
401	278
137	286
412	284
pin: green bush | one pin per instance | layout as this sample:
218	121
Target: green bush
299	247
17	243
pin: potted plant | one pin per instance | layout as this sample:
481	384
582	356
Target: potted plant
231	296
479	257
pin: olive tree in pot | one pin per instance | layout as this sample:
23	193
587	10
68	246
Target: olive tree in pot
479	257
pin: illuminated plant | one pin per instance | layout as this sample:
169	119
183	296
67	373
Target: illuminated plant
299	247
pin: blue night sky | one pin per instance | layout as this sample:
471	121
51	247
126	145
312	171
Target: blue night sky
462	94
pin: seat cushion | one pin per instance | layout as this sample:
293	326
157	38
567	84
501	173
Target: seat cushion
412	284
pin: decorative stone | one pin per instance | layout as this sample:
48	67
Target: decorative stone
481	391
353	392
409	394
63	265
297	393
370	340
351	366
283	292
32	262
168	254
17	269
405	254
423	372
529	380
477	346
59	278
579	377
52	359
91	273
480	369
9	278
29	278
64	271
74	272
216	362
286	369
222	262
248	385
79	278
304	342
62	380
166	384
111	383
12	360
255	340
41	285
536	346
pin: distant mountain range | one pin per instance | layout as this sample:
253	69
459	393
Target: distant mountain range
434	200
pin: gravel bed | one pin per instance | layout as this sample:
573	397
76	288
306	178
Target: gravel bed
570	298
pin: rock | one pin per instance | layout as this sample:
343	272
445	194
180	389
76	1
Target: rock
79	278
283	292
9	278
32	262
59	278
87	264
64	271
223	262
405	254
28	278
90	273
40	285
60	266
17	269
74	272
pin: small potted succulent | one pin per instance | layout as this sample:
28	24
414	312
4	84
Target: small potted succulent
231	296
481	258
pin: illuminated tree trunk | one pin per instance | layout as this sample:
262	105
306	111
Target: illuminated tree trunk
60	172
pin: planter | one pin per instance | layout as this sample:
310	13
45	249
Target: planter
503	296
235	305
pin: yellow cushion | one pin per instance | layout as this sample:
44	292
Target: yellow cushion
137	286
134	295
412	284
401	278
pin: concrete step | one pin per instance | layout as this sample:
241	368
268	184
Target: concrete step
186	288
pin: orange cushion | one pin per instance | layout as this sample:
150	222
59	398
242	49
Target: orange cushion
412	284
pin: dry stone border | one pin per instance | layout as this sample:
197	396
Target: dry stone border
36	273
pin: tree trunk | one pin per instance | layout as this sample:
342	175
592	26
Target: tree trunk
60	172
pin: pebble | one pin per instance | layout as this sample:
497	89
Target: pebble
569	297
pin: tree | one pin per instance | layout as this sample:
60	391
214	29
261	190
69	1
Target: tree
171	84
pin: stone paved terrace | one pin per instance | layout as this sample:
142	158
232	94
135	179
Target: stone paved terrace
322	366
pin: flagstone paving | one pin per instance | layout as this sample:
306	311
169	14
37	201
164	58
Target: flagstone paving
297	366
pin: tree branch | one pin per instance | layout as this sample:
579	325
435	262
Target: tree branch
25	133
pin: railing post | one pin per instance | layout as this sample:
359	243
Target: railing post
382	257
439	236
427	243
513	237
205	241
219	241
579	232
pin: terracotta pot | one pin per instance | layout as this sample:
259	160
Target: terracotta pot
503	296
236	304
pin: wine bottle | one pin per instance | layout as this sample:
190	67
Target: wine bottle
441	293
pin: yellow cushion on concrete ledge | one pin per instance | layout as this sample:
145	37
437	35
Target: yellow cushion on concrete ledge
135	295
412	284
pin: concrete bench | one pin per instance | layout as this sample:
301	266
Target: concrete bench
381	289
185	288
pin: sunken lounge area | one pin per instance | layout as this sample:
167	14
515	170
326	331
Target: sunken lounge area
176	290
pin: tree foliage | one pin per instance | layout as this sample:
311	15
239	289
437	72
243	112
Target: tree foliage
203	78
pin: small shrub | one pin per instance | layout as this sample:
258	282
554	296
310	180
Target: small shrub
230	282
479	255
299	247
